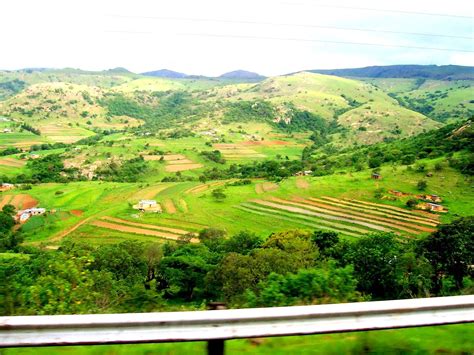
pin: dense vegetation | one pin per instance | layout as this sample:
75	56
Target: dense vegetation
287	268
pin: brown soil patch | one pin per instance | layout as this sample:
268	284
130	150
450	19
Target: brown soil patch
140	231
259	189
25	144
173	157
152	157
77	213
12	162
182	167
5	200
169	206
204	187
302	183
182	161
148	226
266	143
23	201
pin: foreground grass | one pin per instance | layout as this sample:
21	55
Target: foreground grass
451	339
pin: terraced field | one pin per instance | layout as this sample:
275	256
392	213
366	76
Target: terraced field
145	229
238	151
348	217
175	162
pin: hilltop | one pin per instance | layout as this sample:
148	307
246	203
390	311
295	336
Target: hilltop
241	74
441	72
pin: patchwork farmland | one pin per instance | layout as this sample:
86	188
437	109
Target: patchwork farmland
144	229
349	217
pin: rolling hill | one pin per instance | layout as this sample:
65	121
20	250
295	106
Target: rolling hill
442	72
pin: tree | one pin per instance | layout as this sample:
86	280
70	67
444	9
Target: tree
412	202
324	240
451	251
327	284
422	185
218	194
243	243
376	265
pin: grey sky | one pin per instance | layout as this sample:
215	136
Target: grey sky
210	37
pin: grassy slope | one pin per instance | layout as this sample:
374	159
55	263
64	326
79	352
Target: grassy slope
113	199
456	104
322	94
451	339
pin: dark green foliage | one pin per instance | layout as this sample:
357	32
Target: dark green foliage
214	155
218	194
422	185
128	171
31	129
10	151
10	88
376	265
246	111
172	107
47	168
328	284
451	251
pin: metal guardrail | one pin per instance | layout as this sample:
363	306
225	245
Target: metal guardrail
210	326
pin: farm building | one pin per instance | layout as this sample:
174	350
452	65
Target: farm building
6	186
432	198
304	173
7	130
23	215
148	206
433	207
436	208
376	176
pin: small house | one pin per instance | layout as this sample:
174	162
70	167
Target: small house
148	206
307	172
436	208
431	198
7	130
376	176
6	186
34	156
23	215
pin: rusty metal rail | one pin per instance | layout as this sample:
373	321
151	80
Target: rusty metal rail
233	323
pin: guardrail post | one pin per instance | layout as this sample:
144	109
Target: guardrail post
216	346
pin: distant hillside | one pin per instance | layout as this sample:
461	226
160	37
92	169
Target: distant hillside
442	72
241	74
165	73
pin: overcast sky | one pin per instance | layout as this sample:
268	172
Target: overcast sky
210	37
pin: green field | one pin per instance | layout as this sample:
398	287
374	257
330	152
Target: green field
452	339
